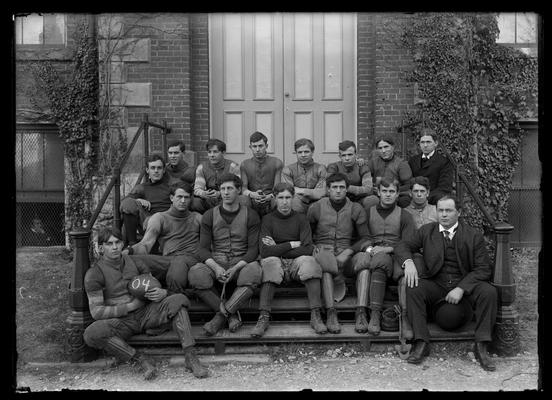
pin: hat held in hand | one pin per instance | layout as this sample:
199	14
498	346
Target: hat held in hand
452	316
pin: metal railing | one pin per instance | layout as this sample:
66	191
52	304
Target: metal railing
80	317
506	335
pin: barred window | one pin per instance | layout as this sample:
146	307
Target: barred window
519	30
40	29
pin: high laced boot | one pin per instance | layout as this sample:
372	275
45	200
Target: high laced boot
332	322
123	352
316	322
234	322
192	363
262	324
215	324
374	326
361	323
148	369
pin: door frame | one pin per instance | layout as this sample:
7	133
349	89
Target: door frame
354	89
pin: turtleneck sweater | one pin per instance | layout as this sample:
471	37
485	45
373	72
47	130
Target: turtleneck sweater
177	232
157	193
310	176
285	229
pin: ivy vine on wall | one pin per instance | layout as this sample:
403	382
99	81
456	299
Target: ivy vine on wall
474	91
73	103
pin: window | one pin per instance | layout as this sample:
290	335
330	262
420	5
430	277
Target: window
519	30
40	29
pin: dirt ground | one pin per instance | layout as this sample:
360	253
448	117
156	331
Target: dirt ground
291	367
373	371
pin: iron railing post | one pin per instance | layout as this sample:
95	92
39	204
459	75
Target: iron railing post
164	138
146	140
506	339
80	317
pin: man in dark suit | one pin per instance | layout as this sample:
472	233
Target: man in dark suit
456	265
436	167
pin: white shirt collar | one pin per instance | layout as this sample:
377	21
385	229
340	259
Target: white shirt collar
452	229
429	155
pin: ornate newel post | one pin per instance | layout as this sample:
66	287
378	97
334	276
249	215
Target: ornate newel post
506	334
80	316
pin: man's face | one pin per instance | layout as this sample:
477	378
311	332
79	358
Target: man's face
283	202
229	193
112	248
348	157
419	194
388	195
304	154
258	148
155	170
447	213
215	155
385	150
175	155
181	199
337	191
427	144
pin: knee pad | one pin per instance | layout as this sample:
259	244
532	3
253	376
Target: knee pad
309	268
200	277
250	275
361	260
177	301
129	206
272	271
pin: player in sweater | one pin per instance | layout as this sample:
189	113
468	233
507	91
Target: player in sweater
286	254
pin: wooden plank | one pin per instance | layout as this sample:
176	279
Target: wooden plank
285	332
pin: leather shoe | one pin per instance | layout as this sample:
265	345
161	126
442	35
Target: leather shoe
481	355
419	352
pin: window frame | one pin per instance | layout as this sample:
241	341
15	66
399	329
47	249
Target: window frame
38	46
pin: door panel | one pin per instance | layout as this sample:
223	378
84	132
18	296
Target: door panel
286	75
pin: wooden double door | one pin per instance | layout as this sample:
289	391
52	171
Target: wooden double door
288	76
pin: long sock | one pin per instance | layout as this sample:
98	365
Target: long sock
377	289
131	225
313	293
266	296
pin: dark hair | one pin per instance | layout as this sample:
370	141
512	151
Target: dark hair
346	144
457	203
178	143
155	157
386	138
386	182
256	136
221	146
106	232
428	132
230	177
281	186
304	142
181	185
336	177
420	180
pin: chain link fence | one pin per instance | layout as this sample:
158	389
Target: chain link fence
39	169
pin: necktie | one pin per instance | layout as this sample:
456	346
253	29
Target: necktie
446	234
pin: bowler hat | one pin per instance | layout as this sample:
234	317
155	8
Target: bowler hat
452	316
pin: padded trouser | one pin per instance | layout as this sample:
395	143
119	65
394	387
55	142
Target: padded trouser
201	276
171	270
276	270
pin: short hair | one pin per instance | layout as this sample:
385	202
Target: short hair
304	142
230	177
386	182
187	187
386	138
346	144
155	157
282	186
429	132
256	136
420	180
221	146
336	177
106	232
179	143
457	203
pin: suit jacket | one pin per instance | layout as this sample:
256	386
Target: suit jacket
440	172
471	253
